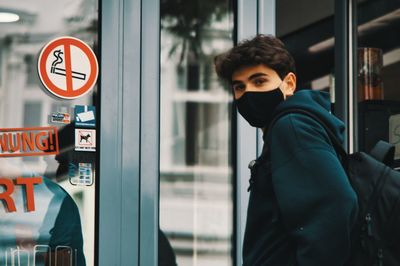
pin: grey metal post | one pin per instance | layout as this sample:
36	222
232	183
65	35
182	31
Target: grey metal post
345	43
110	196
149	132
131	127
254	16
266	24
119	170
246	135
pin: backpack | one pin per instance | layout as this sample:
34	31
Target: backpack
376	234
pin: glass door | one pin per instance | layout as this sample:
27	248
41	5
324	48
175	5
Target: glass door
48	122
196	177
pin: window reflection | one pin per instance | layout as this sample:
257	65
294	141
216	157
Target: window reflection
378	68
196	205
60	231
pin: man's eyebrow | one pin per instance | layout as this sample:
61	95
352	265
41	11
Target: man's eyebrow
255	75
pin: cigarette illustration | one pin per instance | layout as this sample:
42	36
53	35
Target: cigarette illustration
60	71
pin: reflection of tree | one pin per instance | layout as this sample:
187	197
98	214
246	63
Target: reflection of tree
186	20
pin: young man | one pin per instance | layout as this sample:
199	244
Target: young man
302	206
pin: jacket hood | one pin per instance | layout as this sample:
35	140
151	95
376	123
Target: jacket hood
318	103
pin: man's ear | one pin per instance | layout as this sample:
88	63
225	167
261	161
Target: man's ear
290	82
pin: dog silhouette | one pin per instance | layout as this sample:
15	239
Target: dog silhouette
85	138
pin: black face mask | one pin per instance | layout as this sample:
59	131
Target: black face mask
257	107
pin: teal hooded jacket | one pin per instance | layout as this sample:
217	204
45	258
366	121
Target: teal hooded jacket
302	207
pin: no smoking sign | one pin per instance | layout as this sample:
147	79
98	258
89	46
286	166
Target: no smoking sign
68	67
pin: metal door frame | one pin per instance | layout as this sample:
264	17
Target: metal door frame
129	133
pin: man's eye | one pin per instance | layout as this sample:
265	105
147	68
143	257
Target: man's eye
259	81
238	87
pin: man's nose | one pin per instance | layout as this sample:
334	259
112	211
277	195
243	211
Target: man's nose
250	87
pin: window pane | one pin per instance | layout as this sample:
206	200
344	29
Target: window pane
50	214
196	187
378	73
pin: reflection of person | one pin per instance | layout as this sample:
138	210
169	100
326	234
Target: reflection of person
66	229
301	207
166	255
61	228
52	229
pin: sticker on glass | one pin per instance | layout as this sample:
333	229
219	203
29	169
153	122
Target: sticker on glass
68	67
85	139
60	115
33	141
60	118
85	116
81	174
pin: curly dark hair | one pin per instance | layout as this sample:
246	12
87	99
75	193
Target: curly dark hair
262	49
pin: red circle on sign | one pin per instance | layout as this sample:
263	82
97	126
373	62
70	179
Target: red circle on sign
68	92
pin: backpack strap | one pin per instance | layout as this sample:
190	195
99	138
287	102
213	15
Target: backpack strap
383	152
335	142
254	164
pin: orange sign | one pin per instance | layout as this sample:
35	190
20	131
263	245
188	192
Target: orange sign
28	141
68	67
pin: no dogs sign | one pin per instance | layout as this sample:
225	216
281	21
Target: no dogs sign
68	67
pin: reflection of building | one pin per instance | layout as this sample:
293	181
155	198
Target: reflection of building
195	171
23	103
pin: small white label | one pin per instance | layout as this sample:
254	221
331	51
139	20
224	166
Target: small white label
87	116
394	133
60	118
